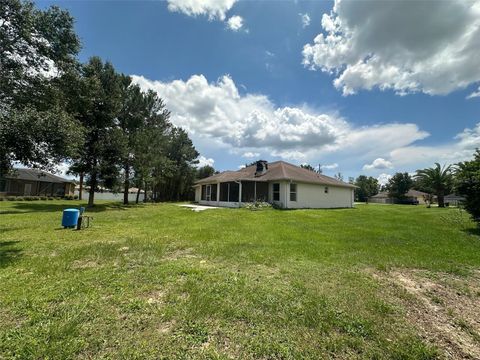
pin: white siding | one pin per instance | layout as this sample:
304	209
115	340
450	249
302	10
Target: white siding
314	196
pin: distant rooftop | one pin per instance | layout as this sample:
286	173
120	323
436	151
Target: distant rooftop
36	175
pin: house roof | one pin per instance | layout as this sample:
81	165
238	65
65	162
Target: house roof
36	175
278	170
410	193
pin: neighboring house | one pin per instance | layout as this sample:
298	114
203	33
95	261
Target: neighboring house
33	182
454	200
411	197
286	185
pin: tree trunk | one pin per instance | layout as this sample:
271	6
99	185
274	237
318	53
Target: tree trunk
126	184
91	193
80	190
441	201
138	195
145	187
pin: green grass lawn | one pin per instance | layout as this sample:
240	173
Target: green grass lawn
160	281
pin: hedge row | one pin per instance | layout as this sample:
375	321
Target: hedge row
34	198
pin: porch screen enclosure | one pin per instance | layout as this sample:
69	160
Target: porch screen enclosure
230	191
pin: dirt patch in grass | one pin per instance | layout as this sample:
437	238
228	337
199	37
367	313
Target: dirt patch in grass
166	327
156	297
445	308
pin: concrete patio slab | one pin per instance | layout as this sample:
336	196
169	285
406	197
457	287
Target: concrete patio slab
198	208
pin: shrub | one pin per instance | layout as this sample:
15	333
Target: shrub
43	198
2	198
51	198
18	198
10	198
28	198
257	205
75	197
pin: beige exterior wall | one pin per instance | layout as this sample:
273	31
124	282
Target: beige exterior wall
313	196
198	193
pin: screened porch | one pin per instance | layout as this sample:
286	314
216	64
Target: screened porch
234	193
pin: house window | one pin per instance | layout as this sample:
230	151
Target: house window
204	192
326	189
293	192
276	192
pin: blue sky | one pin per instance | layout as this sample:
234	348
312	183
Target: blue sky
399	101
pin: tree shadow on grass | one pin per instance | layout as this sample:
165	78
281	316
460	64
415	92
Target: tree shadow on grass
473	231
8	254
32	207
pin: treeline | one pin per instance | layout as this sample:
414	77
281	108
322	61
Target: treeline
53	109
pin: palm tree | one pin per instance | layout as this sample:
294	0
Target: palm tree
438	179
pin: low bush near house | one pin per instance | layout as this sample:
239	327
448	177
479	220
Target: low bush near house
257	205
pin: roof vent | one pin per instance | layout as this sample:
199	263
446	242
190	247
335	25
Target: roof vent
262	167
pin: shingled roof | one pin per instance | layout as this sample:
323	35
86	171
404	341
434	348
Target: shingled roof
278	170
36	175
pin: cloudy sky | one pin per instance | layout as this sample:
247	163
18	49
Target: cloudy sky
361	87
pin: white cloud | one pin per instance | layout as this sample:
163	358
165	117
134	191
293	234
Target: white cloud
474	94
203	161
330	166
305	19
213	9
235	23
378	163
407	46
460	148
220	119
250	154
384	178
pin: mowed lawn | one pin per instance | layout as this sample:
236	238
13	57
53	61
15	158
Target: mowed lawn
161	281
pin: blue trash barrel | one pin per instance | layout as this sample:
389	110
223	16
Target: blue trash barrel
70	217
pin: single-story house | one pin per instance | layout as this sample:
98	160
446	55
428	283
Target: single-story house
454	200
280	183
411	197
34	182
